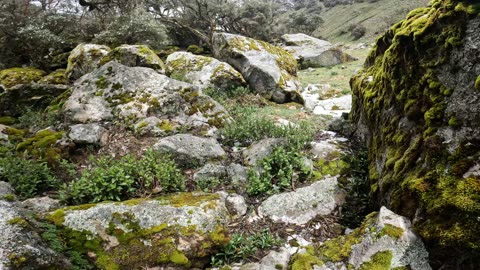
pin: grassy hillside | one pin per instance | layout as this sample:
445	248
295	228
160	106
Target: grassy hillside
375	17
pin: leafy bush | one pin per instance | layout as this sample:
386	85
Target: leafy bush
209	184
225	95
279	172
27	177
119	179
248	127
242	246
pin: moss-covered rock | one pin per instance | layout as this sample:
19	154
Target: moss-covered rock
202	71
180	230
41	145
56	77
385	240
135	56
84	59
269	70
416	105
14	76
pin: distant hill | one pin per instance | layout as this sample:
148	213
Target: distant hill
371	16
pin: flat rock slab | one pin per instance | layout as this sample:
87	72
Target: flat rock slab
304	204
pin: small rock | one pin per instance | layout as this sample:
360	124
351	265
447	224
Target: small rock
40	204
274	260
237	174
88	134
260	150
236	205
210	170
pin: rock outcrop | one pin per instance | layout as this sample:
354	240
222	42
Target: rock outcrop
416	105
203	72
269	70
178	230
135	56
314	52
84	59
131	94
384	241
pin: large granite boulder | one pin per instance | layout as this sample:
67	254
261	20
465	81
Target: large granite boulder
202	71
384	241
135	56
180	231
314	52
304	204
84	59
269	70
417	107
131	94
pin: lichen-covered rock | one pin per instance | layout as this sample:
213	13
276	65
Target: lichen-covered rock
416	105
15	100
21	247
135	56
385	240
179	230
84	59
269	70
260	150
40	204
56	77
210	170
273	260
302	205
202	71
88	134
6	192
131	94
187	148
15	76
314	52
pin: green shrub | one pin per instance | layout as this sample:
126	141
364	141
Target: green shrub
242	246
249	127
209	184
225	95
279	170
27	177
124	178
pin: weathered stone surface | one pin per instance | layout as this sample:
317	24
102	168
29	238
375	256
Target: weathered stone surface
210	170
6	191
384	240
22	248
260	150
15	76
269	70
175	230
304	204
88	134
314	52
40	204
84	59
188	148
202	71
273	260
236	204
237	174
416	106
135	56
131	94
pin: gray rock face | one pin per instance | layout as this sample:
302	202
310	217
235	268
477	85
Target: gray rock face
314	52
210	170
88	134
269	70
130	94
22	248
6	190
407	249
304	204
237	174
40	204
202	71
84	59
260	150
189	148
135	56
235	203
274	260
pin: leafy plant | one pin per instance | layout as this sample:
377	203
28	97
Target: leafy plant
119	179
280	170
208	184
243	246
248	127
223	95
27	177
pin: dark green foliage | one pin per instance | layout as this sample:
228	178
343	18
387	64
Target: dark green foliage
243	246
280	170
27	177
127	177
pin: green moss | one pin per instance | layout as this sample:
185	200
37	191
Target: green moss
102	83
42	145
195	49
166	126
392	231
477	83
305	261
454	122
332	165
56	77
18	221
8	120
58	102
8	197
380	261
13	76
17	260
179	258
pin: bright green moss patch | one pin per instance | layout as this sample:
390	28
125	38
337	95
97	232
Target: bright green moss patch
189	199
41	145
305	261
7	120
392	231
477	83
18	221
13	76
380	261
56	77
